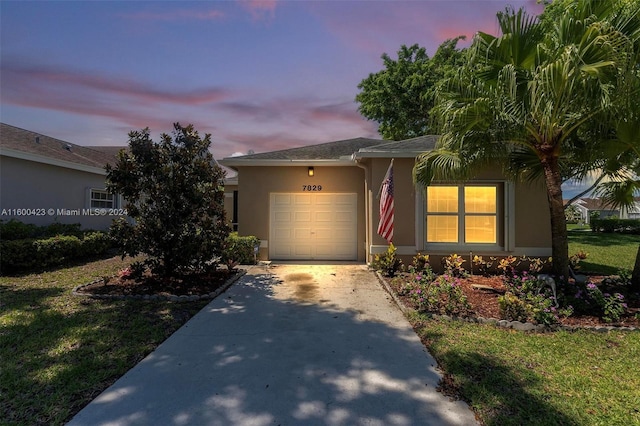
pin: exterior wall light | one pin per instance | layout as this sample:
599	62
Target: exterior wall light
310	171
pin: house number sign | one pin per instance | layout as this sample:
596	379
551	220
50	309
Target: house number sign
312	187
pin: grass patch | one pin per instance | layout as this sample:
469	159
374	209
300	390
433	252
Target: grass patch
516	378
608	252
58	351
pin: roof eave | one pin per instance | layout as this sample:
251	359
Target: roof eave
386	154
8	152
233	163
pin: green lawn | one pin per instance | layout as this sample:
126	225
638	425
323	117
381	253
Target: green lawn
608	253
59	351
560	378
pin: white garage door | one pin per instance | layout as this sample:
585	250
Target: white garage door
310	226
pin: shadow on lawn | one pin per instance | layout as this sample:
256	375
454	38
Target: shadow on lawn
54	362
499	392
21	272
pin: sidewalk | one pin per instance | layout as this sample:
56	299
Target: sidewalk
288	345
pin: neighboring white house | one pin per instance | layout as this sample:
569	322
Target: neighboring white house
45	180
589	206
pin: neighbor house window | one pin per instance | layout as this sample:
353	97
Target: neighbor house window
101	199
458	214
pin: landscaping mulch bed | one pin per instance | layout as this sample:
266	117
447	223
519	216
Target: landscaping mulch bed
484	302
152	285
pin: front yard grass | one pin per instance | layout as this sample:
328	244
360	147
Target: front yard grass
608	252
517	378
59	351
558	378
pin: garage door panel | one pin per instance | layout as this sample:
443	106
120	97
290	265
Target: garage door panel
302	199
300	233
313	226
324	216
303	216
283	217
283	234
281	199
343	216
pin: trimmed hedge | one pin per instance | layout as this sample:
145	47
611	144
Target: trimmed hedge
34	254
240	249
609	225
16	230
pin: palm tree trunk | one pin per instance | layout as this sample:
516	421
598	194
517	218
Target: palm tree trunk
635	275
559	242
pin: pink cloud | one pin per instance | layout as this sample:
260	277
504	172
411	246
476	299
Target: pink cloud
260	9
177	15
381	27
247	120
57	82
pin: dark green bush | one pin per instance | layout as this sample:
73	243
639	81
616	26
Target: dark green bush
16	230
63	229
240	249
35	254
95	243
56	250
609	225
17	255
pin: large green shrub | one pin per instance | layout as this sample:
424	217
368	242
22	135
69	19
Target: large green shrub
240	250
174	192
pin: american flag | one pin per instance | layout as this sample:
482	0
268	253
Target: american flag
385	227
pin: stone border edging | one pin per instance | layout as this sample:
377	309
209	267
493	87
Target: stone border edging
516	325
168	297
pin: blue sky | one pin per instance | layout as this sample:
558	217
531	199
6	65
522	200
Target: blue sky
257	74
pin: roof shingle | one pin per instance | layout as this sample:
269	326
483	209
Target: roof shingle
29	142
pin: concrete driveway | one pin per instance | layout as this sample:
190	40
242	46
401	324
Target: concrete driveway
286	345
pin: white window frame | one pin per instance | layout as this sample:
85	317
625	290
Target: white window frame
91	198
504	216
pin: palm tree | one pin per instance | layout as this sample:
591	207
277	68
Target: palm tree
540	101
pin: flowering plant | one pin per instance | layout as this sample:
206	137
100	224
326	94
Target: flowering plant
442	295
528	298
453	265
612	306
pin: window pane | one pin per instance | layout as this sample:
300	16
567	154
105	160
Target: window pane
101	199
480	199
442	229
480	229
442	199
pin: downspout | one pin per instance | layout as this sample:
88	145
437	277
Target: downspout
367	209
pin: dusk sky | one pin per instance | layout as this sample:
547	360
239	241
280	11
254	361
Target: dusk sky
258	75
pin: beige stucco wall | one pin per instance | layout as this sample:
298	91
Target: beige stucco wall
531	232
531	227
30	185
256	183
404	200
228	202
